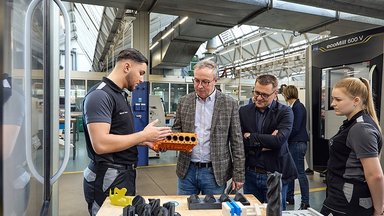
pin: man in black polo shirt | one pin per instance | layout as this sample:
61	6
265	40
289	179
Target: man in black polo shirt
109	131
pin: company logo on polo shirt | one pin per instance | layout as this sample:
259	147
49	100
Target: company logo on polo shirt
122	113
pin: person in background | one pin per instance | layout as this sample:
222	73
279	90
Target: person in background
219	154
282	87
17	179
297	143
355	181
109	131
250	100
266	125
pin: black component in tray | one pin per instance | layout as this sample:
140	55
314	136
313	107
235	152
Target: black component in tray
129	211
224	198
210	202
239	197
194	202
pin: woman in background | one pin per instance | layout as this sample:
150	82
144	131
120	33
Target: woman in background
355	182
297	143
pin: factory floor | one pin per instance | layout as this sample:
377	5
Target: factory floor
159	178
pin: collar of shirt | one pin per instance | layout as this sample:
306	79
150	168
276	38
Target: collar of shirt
209	98
112	85
266	109
347	122
291	105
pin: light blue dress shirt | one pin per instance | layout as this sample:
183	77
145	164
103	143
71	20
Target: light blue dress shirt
203	119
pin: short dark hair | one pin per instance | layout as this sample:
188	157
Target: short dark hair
267	79
131	54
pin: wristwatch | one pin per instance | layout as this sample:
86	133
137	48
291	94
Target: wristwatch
247	135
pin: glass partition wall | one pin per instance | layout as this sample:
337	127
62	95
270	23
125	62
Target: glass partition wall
177	91
170	93
162	90
77	93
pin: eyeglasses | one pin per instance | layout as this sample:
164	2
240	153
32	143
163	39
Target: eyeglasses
263	95
204	83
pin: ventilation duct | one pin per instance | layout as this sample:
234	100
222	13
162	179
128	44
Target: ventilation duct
212	44
175	46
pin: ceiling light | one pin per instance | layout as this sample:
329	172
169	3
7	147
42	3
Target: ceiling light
183	20
166	34
153	45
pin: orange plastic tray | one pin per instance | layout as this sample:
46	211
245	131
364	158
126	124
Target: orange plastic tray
177	142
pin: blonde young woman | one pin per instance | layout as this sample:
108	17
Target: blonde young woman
355	182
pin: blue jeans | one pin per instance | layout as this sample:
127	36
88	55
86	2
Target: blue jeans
256	184
298	150
199	180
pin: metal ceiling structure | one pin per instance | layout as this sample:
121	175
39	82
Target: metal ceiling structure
116	31
368	8
263	51
301	22
113	20
85	21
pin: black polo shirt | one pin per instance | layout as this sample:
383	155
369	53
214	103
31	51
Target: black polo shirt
357	138
106	102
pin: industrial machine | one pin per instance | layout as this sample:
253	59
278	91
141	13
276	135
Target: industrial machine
355	55
139	103
156	111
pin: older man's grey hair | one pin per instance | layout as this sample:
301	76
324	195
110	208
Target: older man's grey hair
208	64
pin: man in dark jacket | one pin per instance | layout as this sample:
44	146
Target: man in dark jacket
266	125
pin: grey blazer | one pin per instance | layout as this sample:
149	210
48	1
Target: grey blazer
226	143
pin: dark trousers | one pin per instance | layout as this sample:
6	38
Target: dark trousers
100	178
298	150
346	197
256	184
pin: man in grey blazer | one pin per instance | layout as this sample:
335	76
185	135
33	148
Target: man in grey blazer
219	155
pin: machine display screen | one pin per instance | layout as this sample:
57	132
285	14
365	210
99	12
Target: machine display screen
331	75
329	121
